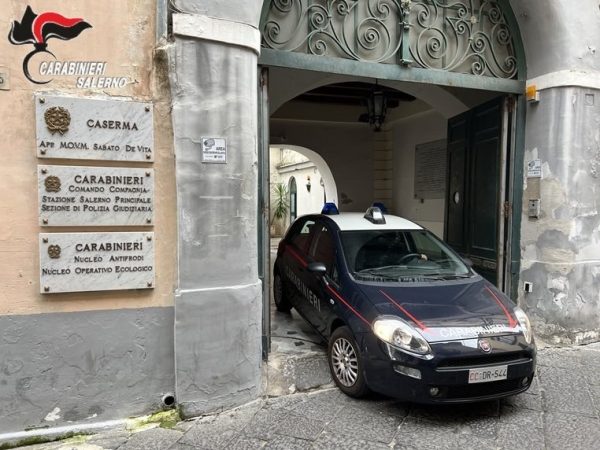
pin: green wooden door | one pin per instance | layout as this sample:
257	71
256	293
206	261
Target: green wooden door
474	191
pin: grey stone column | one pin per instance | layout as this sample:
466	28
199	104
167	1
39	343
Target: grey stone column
560	250
218	297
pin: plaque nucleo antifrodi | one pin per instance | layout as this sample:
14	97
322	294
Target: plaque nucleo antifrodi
83	128
83	262
95	196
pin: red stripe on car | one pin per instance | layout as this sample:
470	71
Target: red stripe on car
297	256
420	324
330	289
511	322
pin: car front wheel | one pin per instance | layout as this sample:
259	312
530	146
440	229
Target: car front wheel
345	363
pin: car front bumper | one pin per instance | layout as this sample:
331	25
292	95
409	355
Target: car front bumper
444	378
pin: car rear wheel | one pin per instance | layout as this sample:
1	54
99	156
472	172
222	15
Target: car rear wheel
345	363
281	303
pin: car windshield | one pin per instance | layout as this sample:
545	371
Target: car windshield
400	256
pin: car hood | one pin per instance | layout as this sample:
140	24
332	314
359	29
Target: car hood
447	310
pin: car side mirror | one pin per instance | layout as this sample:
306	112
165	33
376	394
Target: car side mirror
317	267
468	262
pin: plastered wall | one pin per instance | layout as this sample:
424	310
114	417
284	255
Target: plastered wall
407	134
561	248
123	36
85	357
347	149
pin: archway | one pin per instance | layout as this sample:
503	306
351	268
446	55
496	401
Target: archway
451	56
329	184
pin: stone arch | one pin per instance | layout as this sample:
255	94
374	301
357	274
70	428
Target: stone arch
435	96
331	194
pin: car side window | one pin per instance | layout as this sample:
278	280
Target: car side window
302	236
323	250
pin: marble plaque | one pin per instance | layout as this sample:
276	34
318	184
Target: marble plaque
95	196
84	262
83	128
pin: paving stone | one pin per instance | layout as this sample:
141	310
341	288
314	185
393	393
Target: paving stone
566	391
109	440
516	415
484	427
285	402
378	404
524	400
521	436
423	434
595	393
365	425
297	426
591	372
264	423
246	443
153	439
331	441
450	415
180	446
560	358
322	406
216	431
567	431
288	443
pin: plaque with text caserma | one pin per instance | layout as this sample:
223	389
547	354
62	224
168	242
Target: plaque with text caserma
95	196
83	128
84	262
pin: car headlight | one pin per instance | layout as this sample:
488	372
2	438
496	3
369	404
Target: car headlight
525	324
400	335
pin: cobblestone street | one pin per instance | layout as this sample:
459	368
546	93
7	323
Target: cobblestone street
560	411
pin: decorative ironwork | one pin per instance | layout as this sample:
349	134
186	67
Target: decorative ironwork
465	36
366	30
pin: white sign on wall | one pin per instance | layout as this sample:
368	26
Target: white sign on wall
214	150
82	128
84	262
534	168
95	196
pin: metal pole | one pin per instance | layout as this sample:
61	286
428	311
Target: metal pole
264	244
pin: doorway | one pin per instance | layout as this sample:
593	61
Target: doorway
455	79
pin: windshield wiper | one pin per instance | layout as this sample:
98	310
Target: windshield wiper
373	274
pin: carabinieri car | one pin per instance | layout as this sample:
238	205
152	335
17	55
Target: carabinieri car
403	314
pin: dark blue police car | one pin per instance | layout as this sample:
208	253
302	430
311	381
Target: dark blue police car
403	314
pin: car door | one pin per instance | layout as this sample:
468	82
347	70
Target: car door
295	264
323	250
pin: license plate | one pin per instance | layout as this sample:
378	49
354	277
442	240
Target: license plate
487	374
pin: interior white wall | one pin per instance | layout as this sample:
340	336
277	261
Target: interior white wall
347	149
407	134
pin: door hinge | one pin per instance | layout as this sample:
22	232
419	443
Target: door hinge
507	209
